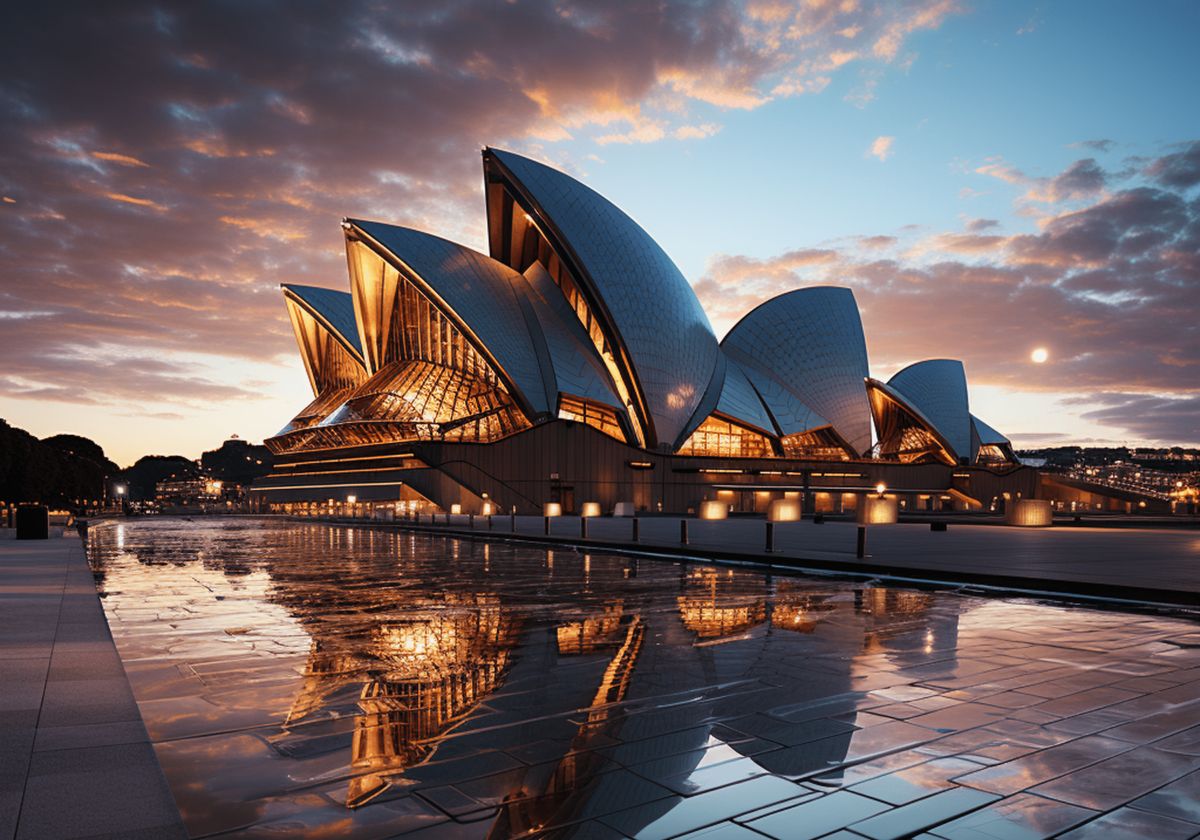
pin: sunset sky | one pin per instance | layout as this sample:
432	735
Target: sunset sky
989	178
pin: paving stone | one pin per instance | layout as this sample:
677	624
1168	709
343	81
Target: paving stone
1130	824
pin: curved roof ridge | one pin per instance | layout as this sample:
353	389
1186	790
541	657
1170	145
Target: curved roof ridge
664	342
333	308
481	293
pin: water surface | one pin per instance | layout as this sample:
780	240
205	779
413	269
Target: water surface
305	680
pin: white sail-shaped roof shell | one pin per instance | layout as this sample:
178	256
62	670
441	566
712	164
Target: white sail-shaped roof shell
480	292
809	343
938	389
653	312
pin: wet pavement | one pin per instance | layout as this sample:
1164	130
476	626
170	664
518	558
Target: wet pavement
310	680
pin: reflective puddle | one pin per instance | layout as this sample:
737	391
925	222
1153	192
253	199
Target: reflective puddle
301	680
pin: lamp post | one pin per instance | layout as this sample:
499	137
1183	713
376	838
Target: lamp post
120	490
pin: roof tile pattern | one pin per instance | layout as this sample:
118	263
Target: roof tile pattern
938	389
810	342
656	314
480	291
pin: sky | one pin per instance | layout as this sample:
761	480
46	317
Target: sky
988	177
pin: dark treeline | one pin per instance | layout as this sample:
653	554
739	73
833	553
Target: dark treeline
55	471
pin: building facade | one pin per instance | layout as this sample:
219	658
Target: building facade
574	363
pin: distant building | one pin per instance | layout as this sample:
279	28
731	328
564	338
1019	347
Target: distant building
575	363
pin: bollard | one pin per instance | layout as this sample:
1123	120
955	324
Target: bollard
818	519
513	524
471	521
583	527
770	537
635	529
683	532
489	522
862	543
937	526
547	524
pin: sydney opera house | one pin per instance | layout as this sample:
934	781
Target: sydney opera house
574	363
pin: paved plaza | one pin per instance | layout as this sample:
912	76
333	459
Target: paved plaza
313	680
75	759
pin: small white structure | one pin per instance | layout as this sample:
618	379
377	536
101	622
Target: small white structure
624	509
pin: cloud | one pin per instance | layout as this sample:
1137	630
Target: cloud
1108	286
1150	416
1095	145
1082	179
881	147
1180	170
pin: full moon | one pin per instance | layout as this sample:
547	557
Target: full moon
1039	355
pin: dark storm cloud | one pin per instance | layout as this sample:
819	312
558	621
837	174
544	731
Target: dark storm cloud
1179	170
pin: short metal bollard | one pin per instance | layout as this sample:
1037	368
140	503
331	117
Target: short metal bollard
547	525
583	527
472	521
818	519
489	522
937	526
770	537
861	551
683	532
635	529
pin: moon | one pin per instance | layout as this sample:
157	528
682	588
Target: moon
1039	355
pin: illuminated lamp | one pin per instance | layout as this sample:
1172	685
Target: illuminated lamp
783	510
488	509
456	508
590	509
351	499
877	510
1031	513
552	509
714	510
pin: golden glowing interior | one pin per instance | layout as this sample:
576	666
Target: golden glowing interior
719	437
903	436
521	244
329	365
818	445
597	416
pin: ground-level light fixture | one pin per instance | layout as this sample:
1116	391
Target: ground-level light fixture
351	499
880	489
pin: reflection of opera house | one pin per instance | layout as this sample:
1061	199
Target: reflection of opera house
576	364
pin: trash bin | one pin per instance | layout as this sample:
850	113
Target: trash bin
33	522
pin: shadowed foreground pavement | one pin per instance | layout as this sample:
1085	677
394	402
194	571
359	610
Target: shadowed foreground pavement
75	759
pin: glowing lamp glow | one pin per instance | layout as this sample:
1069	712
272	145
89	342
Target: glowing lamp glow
1031	513
351	499
590	509
552	509
877	510
456	508
488	509
120	488
714	510
880	489
783	510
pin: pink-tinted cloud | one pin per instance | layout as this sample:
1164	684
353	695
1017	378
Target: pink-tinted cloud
165	165
1108	287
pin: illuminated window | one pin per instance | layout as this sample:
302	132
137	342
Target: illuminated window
991	454
903	436
593	414
819	445
717	437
